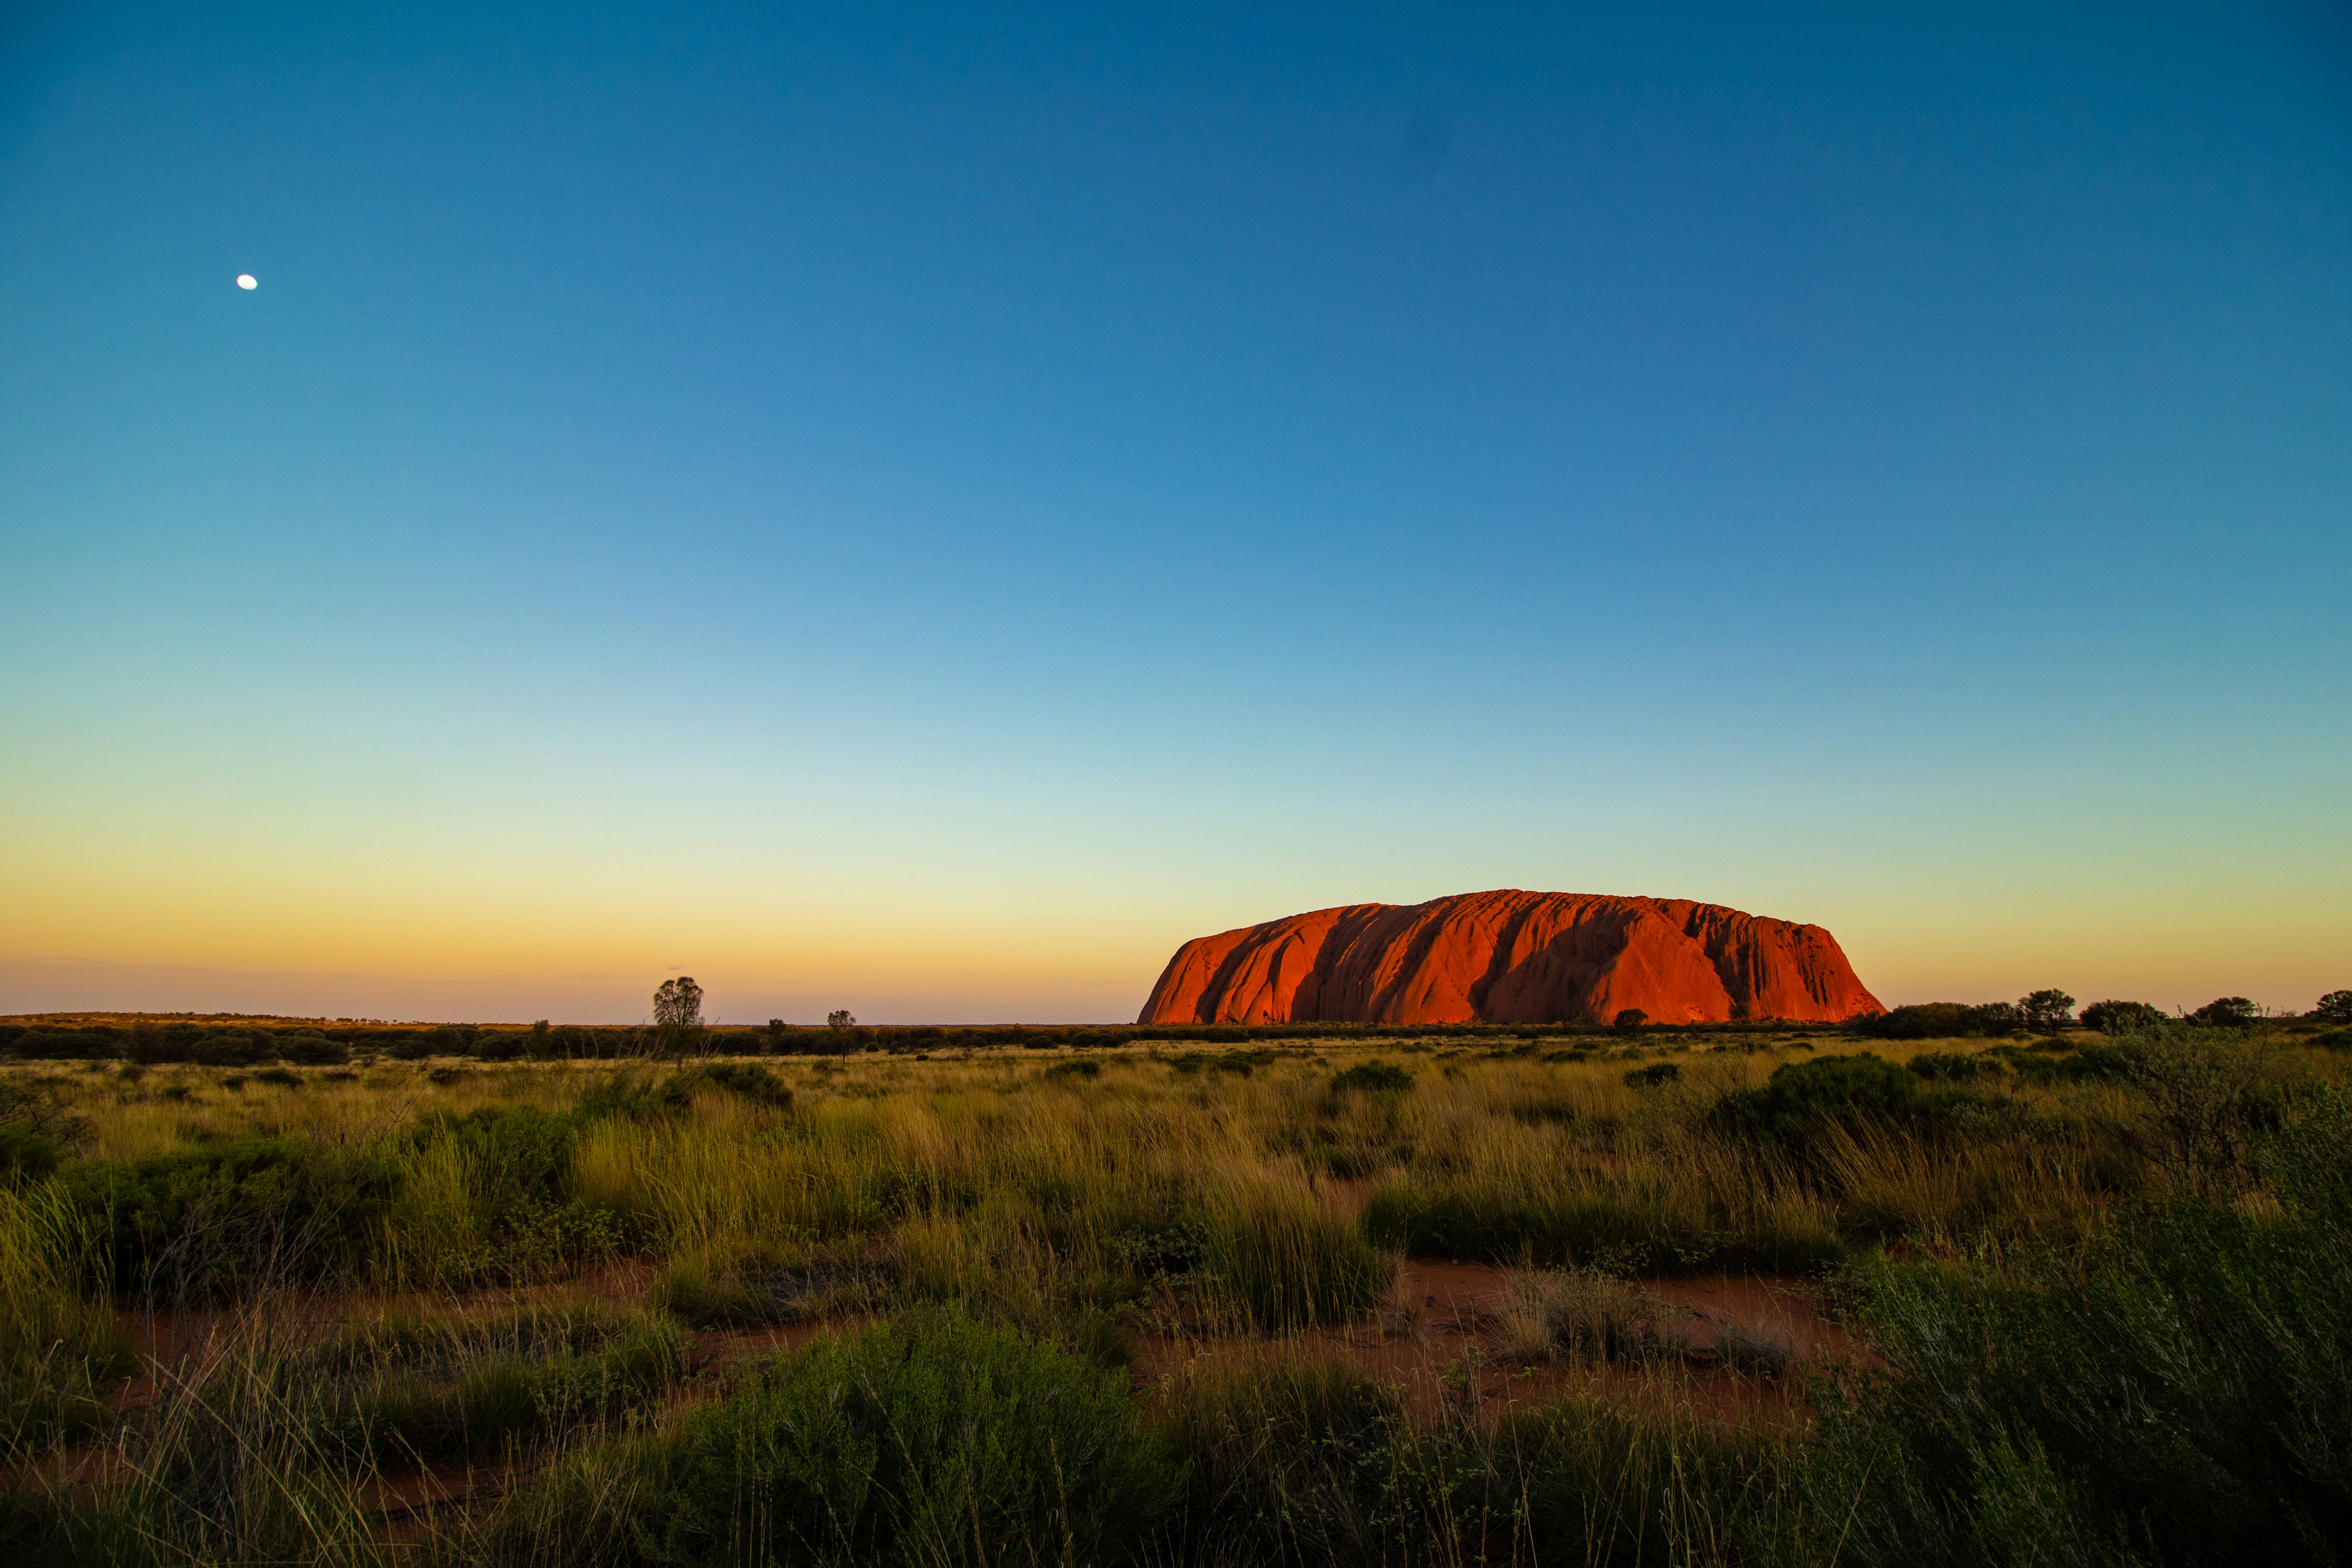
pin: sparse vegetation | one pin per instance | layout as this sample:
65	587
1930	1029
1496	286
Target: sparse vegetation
1133	1304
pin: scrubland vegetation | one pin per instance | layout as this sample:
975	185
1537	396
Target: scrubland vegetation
1175	1301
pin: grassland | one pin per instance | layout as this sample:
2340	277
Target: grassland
2062	1301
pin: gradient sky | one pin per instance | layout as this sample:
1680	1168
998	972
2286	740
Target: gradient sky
924	512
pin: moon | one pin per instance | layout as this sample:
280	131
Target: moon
244	280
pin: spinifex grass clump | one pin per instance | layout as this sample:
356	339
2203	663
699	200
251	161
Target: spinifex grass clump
934	1441
1579	1315
59	1343
1293	1458
421	1390
1289	1458
488	1197
1581	1480
1275	1259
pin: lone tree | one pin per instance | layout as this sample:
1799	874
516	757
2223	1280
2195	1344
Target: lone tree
2335	1006
678	1016
839	1019
678	1004
2046	1012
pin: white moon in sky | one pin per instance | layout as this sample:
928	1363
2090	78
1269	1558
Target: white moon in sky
244	280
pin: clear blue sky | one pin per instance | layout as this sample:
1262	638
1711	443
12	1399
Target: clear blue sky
924	511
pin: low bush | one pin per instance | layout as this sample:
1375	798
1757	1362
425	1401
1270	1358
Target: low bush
2179	1391
1650	1077
228	1214
745	1080
1289	1458
1801	1098
1433	1218
933	1441
1375	1077
39	1127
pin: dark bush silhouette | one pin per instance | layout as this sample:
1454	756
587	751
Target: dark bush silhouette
2227	1012
2334	1007
1629	1020
2046	1012
2112	1017
1649	1077
1940	1021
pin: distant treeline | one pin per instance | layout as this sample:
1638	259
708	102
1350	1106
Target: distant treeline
234	1043
231	1044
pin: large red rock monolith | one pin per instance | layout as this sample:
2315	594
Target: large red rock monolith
1510	957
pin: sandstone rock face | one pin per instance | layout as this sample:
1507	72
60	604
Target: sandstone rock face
1510	957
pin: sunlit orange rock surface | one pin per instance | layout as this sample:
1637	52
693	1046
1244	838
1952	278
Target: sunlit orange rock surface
1510	957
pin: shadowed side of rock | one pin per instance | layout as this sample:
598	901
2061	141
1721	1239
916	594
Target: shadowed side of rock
1510	957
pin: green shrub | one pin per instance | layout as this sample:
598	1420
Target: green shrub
516	1153
229	1213
310	1049
1375	1077
630	1095
1433	1218
745	1080
932	1441
2179	1391
26	1155
39	1126
1287	1458
1951	1066
1797	1102
58	1341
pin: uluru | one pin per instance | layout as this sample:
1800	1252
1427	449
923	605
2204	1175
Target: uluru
1510	957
